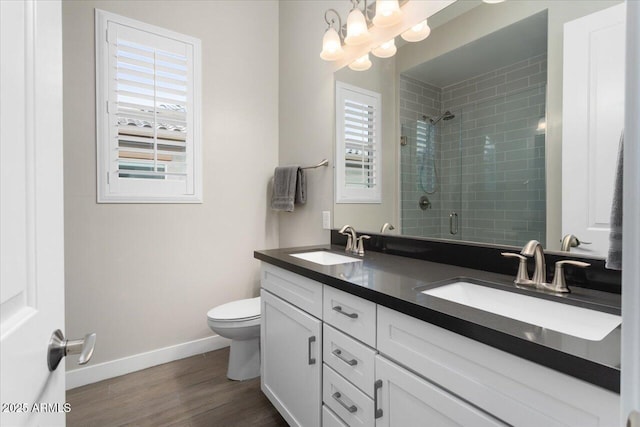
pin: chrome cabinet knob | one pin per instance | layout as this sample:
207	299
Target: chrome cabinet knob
59	347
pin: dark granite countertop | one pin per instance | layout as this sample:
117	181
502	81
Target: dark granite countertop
395	282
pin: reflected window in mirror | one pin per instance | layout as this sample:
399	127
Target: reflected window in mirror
358	130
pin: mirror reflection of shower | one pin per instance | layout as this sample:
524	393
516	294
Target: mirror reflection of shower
447	115
426	149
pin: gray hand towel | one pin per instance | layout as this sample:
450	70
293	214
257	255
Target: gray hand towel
301	187
289	187
614	257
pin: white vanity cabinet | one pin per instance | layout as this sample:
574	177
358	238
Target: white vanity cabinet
291	347
374	366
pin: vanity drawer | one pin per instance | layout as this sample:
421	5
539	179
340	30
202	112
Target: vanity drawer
350	314
349	403
298	290
350	358
330	419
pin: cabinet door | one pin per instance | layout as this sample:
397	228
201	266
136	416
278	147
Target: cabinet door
406	400
291	357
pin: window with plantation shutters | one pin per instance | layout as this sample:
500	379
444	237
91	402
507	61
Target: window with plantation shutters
358	146
148	113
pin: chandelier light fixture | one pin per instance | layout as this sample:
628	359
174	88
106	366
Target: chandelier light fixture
388	13
356	33
374	27
417	33
386	49
361	64
332	40
357	27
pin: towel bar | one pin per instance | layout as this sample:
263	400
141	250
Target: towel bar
324	162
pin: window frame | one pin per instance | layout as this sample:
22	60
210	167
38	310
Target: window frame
343	193
144	190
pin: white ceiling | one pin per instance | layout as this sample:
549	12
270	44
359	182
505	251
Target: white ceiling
508	45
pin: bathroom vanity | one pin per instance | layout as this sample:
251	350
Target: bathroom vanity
364	343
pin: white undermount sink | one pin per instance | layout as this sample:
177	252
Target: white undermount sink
325	258
568	319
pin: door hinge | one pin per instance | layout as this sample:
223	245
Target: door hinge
108	178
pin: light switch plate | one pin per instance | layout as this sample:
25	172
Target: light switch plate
326	220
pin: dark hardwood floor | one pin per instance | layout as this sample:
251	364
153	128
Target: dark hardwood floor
192	392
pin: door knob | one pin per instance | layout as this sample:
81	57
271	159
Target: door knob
634	419
60	347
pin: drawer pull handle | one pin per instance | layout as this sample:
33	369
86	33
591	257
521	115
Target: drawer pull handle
312	360
337	396
378	412
338	353
351	315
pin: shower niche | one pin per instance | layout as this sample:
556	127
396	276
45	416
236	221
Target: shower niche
472	152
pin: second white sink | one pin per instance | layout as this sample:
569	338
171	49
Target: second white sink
568	319
325	258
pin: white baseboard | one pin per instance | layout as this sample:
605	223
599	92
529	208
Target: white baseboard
115	368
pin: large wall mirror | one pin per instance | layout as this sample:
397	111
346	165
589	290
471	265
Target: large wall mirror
472	126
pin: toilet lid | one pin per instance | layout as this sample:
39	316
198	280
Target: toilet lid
236	310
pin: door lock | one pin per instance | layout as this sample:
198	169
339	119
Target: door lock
60	347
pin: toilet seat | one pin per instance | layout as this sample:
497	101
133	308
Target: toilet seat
235	311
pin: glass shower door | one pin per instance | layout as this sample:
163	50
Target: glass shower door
450	176
430	178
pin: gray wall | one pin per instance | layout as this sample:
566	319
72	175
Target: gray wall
306	115
143	276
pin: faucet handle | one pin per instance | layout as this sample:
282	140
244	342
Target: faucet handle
523	275
347	230
360	245
558	284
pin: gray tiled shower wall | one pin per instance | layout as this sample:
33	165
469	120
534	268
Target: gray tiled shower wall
489	160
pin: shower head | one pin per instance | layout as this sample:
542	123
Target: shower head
447	115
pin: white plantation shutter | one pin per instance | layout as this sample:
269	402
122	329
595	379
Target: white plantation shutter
148	113
358	145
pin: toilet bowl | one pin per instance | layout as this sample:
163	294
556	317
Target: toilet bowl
240	322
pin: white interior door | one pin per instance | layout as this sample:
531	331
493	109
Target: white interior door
592	121
31	211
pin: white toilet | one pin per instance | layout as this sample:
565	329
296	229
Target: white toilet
240	322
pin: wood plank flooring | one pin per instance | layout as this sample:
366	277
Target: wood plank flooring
192	392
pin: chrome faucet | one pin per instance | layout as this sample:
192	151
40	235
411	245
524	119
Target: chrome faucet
570	241
350	232
386	226
533	248
355	244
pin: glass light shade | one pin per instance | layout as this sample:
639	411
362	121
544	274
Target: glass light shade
331	46
492	1
417	33
386	49
357	31
388	13
361	64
